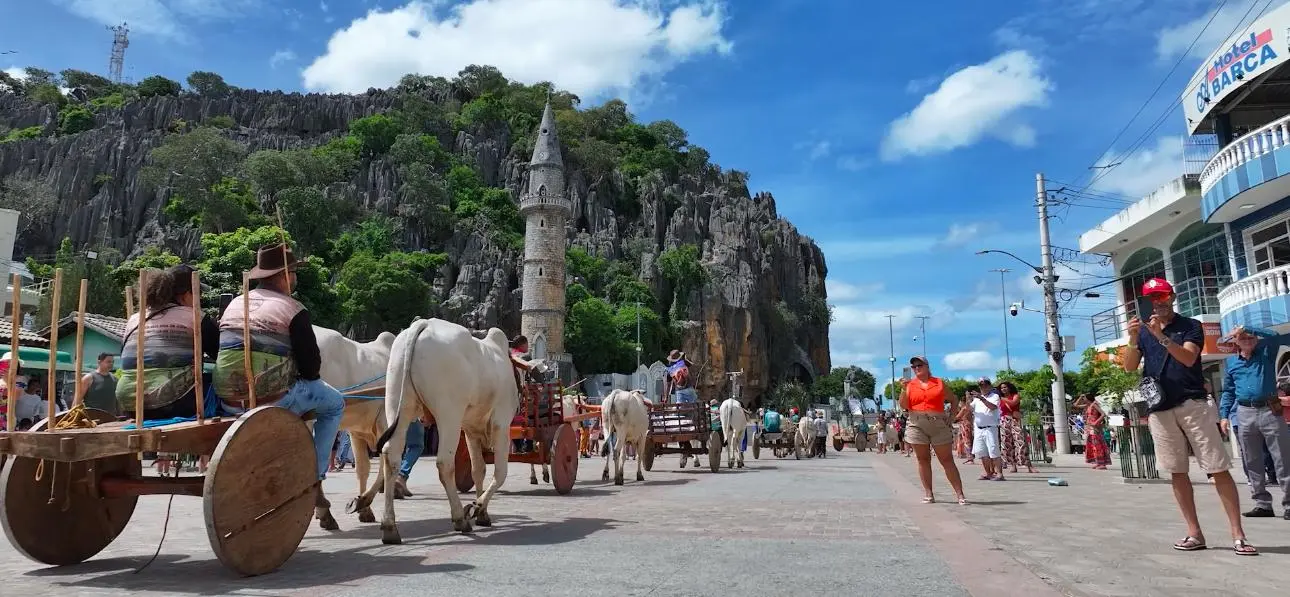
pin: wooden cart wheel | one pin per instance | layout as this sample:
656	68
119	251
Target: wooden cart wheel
78	525
647	453
714	451
756	448
564	459
461	466
837	444
260	490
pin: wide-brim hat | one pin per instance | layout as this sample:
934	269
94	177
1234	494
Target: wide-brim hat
675	356
272	260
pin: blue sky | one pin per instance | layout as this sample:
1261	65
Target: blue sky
901	137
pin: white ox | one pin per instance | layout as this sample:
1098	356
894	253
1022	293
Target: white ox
734	421
625	415
467	384
346	364
806	435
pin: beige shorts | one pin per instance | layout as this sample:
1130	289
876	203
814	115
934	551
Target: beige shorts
929	428
1194	423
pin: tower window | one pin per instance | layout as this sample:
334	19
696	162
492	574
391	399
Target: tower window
542	191
539	272
543	131
541	223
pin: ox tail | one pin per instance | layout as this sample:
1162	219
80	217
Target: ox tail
414	332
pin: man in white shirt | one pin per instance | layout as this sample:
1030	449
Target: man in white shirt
30	406
821	433
985	435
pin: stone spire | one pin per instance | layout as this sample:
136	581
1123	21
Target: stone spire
546	151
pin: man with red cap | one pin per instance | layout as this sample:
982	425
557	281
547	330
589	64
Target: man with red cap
1167	347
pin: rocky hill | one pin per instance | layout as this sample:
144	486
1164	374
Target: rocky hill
640	193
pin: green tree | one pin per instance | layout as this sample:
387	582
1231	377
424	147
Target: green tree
11	84
627	290
574	294
270	171
127	272
787	395
46	93
418	149
34	199
375	235
476	80
39	76
74	120
375	134
208	84
93	85
669	134
157	85
593	338
681	267
382	293
590	268
225	256
107	297
311	216
338	159
196	168
653	333
832	384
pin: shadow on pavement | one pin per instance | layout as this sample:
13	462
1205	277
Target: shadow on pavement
176	574
991	503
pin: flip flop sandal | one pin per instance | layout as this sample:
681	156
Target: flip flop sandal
963	501
983	478
1190	544
929	500
1243	548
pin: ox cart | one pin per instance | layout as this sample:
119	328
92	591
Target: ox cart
69	488
681	428
781	443
844	436
549	436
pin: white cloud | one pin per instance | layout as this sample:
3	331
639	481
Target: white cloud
1144	171
280	57
853	163
962	234
819	150
585	46
161	18
1171	42
322	6
16	72
840	291
974	102
974	360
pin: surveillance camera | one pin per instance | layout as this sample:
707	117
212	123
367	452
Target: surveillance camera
1012	309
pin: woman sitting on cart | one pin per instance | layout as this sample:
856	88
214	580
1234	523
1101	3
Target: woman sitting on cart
168	348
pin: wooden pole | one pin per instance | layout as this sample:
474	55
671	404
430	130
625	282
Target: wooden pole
138	349
246	337
129	303
15	312
197	347
80	332
53	348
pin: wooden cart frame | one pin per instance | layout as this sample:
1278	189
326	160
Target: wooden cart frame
70	488
781	444
553	432
686	424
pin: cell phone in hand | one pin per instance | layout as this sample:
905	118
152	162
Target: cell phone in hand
1144	308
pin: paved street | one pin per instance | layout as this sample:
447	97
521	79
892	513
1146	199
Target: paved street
851	523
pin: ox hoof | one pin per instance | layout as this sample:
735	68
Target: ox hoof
605	475
359	504
640	477
462	526
366	515
327	522
533	480
483	519
546	477
618	480
390	535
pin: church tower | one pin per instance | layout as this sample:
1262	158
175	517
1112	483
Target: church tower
545	209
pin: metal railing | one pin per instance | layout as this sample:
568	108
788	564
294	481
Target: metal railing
1254	288
1254	145
1200	295
1136	451
1037	444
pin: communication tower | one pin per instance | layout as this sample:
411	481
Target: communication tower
120	41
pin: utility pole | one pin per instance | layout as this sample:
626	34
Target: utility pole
922	328
1003	291
1061	426
638	334
891	337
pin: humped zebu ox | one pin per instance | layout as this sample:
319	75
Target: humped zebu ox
347	364
467	384
734	421
624	415
806	435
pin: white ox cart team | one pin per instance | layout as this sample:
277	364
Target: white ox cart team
280	391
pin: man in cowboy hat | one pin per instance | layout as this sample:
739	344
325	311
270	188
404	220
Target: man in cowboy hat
285	357
679	384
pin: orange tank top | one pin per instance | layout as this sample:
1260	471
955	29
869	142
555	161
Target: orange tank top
929	399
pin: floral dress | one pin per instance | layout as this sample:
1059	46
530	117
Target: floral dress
1096	452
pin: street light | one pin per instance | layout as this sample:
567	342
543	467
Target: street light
1038	270
1003	290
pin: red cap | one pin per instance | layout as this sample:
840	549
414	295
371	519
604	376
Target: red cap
1157	286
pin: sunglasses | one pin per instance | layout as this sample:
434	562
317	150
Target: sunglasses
918	365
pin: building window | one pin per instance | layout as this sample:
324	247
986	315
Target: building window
539	272
1198	258
541	223
1269	246
542	191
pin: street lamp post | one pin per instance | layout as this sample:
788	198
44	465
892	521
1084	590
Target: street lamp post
922	331
1003	290
638	334
891	337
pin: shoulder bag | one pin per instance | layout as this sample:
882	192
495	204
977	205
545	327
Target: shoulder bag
1151	391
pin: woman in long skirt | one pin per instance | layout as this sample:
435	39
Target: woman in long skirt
1096	452
964	441
1010	428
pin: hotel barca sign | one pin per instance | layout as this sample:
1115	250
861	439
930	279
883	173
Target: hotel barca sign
1237	62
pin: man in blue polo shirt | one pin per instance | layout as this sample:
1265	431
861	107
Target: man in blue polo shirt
1167	347
1250	383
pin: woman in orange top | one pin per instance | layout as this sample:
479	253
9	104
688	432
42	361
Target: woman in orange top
924	397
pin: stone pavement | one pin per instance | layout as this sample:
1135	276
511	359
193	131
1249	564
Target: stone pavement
1100	536
850	523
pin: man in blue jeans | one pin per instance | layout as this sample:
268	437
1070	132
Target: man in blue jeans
284	354
412	450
